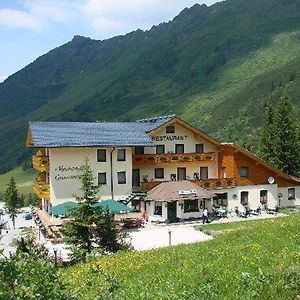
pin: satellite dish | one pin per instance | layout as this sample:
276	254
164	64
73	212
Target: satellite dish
271	180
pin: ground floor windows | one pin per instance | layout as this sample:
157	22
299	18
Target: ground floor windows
220	200
264	197
122	177
157	208
291	194
101	178
191	206
245	198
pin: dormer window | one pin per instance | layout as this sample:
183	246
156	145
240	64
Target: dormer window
170	129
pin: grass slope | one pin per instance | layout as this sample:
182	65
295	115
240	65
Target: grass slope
251	260
23	179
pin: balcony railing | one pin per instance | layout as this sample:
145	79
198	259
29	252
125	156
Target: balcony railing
213	183
40	163
173	157
41	189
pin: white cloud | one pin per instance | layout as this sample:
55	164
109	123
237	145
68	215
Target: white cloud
53	10
118	16
18	19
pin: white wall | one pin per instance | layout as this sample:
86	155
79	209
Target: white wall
285	202
254	196
189	141
64	165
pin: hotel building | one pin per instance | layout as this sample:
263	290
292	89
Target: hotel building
131	158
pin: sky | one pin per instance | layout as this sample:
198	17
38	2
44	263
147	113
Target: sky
31	28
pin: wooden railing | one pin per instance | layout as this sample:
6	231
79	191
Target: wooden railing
40	163
215	183
173	157
41	189
212	183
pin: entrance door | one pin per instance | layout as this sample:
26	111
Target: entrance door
172	211
181	173
135	178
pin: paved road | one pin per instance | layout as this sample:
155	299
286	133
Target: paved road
10	234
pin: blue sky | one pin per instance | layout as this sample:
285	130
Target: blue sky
30	28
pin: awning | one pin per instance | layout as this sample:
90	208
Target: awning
113	206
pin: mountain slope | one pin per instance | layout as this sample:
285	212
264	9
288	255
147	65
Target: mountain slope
214	66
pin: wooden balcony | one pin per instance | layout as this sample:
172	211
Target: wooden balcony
212	183
173	158
40	163
41	189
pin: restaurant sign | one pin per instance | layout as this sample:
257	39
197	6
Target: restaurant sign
163	138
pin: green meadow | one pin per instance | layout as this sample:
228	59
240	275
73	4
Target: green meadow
250	260
23	179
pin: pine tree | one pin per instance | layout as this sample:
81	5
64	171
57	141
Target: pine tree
78	231
287	152
268	137
12	201
279	137
91	228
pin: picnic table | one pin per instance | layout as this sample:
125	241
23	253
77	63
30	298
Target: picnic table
132	223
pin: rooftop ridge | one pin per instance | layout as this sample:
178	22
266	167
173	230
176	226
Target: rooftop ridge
155	119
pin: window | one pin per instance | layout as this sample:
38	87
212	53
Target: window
170	129
244	172
244	198
291	194
199	148
122	177
263	197
191	206
121	154
179	148
203	172
101	178
139	150
159	173
101	155
157	208
221	199
160	149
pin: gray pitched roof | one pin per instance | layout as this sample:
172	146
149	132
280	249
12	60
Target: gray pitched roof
89	134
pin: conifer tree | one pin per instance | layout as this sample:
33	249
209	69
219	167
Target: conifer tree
78	231
12	201
279	137
91	228
288	155
268	136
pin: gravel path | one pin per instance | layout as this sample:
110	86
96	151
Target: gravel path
153	236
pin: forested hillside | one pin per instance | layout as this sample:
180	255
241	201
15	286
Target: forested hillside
213	66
